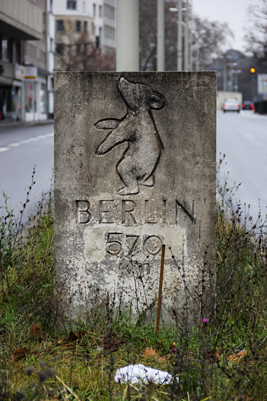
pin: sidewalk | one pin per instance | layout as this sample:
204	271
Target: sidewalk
20	124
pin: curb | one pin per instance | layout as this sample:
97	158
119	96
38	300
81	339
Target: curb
23	124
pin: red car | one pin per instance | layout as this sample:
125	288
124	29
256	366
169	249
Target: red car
248	105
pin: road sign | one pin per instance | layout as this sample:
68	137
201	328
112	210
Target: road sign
26	72
262	84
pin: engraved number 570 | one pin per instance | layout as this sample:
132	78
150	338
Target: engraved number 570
151	244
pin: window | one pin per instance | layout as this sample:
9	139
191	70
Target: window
109	32
5	50
50	83
100	11
109	11
85	26
93	28
100	31
78	26
84	9
71	4
30	97
60	25
51	44
32	50
17	55
60	49
51	6
78	49
43	56
94	10
43	99
44	21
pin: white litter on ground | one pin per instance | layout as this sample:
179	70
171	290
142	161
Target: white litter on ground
141	374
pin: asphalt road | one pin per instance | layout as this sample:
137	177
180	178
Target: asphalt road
20	150
243	138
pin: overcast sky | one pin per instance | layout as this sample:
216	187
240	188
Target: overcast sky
234	12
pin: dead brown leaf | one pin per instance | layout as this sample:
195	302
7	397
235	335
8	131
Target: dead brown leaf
36	332
67	345
238	356
150	352
72	338
20	353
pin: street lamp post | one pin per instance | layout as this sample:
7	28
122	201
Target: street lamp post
191	39
179	38
224	74
186	42
179	34
231	65
236	72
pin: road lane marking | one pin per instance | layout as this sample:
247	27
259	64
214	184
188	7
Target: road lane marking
25	141
14	144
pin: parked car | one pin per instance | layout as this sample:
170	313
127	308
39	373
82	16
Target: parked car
248	105
231	105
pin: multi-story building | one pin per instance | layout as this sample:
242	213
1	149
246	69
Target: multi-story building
79	22
19	21
27	62
39	56
104	14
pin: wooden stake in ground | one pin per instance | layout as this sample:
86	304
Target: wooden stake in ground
160	285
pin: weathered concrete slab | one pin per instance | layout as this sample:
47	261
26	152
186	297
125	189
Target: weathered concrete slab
134	168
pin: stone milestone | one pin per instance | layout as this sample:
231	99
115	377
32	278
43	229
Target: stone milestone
134	169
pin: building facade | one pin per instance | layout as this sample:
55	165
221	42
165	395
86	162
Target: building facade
104	14
81	23
27	62
20	21
35	60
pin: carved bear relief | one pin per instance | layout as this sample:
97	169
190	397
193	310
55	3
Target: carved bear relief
139	161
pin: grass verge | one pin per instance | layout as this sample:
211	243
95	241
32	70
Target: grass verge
225	359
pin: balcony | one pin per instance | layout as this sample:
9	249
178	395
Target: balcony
20	20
